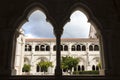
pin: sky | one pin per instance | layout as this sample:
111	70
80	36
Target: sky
38	27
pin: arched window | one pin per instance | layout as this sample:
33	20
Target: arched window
97	68
37	68
42	32
96	48
79	68
90	48
42	47
93	67
47	48
73	47
83	48
54	48
83	68
75	68
65	48
28	47
37	48
78	48
25	47
64	70
61	47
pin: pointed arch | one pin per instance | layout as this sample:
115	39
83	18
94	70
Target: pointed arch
73	48
78	47
91	19
65	47
23	18
90	47
47	48
96	48
37	47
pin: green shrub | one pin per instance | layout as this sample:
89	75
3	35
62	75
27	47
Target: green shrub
86	72
76	72
89	72
26	68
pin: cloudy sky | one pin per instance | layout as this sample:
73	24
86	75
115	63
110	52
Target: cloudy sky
37	27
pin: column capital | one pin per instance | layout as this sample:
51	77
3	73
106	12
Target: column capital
58	32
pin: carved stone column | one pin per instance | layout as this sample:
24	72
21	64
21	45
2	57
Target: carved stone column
58	70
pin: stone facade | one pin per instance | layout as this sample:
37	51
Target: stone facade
33	50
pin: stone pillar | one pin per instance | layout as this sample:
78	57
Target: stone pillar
69	49
33	68
17	53
87	57
50	57
6	51
58	70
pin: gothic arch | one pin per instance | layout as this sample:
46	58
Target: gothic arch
29	10
33	10
93	20
88	12
23	18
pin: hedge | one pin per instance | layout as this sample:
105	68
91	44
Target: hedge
86	72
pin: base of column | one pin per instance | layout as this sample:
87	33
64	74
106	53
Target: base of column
102	72
5	72
58	72
13	72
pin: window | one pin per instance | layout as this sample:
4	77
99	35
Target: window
37	48
96	48
61	47
47	48
37	68
93	67
90	48
83	68
78	48
75	69
83	48
65	48
42	47
28	47
97	68
79	68
73	47
54	48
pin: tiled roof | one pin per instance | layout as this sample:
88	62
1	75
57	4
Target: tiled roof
63	39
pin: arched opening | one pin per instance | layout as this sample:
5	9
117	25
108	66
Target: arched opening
90	48
78	48
47	48
54	48
86	34
61	47
96	48
42	48
79	68
73	48
93	68
37	48
83	48
28	47
65	48
35	40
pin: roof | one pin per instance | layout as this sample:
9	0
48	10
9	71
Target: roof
63	40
